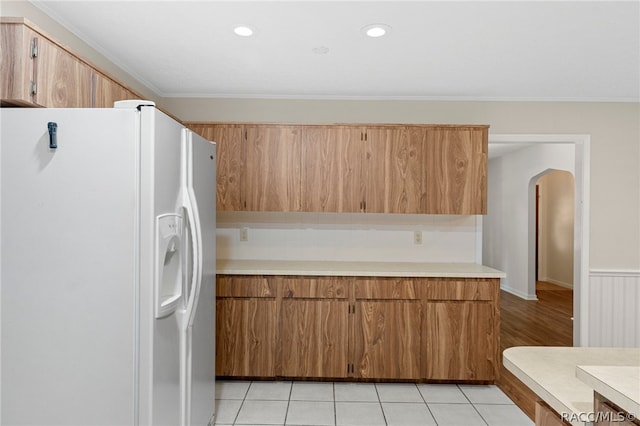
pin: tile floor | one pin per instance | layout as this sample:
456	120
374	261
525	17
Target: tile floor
368	404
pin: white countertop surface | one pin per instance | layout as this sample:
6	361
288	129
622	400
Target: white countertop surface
365	269
551	373
620	385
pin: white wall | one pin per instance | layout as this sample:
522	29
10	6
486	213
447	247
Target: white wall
556	221
506	228
349	237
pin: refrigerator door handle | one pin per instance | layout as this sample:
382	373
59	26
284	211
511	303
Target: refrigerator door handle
191	301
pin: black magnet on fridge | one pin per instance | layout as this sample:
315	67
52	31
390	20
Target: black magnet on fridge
53	134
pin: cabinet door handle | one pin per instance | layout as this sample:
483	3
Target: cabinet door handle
34	48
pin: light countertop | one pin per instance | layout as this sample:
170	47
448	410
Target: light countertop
365	269
619	384
551	372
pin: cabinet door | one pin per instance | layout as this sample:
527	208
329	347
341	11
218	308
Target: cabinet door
394	175
17	64
229	163
272	171
331	169
373	177
63	81
246	318
245	337
313	338
313	327
106	91
405	171
387	339
459	341
456	171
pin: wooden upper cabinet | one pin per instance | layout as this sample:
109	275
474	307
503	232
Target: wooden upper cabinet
62	80
17	64
331	171
373	175
456	171
229	141
350	169
105	91
272	168
38	71
412	169
394	175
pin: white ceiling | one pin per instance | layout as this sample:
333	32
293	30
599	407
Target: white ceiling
452	50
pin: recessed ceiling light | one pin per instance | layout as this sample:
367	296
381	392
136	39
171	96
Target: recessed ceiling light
243	31
376	30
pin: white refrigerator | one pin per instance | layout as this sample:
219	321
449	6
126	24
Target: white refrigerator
107	272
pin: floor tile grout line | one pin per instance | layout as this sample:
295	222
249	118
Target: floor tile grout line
335	407
384	417
286	413
473	405
427	404
244	398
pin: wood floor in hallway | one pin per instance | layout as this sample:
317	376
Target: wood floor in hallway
543	322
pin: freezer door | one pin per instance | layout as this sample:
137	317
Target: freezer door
68	267
201	181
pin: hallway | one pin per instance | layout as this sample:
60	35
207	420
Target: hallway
543	322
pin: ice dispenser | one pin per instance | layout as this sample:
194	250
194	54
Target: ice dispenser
168	262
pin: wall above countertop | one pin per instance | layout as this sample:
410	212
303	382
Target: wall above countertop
350	237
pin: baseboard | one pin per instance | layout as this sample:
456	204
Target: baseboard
556	282
518	293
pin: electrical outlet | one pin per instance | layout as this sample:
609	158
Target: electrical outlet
417	237
244	234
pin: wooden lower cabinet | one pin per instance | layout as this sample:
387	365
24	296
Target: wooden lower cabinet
378	328
607	413
246	337
546	416
386	328
313	338
387	340
461	327
313	327
246	318
459	341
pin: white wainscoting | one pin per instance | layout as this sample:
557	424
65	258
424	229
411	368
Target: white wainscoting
614	308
